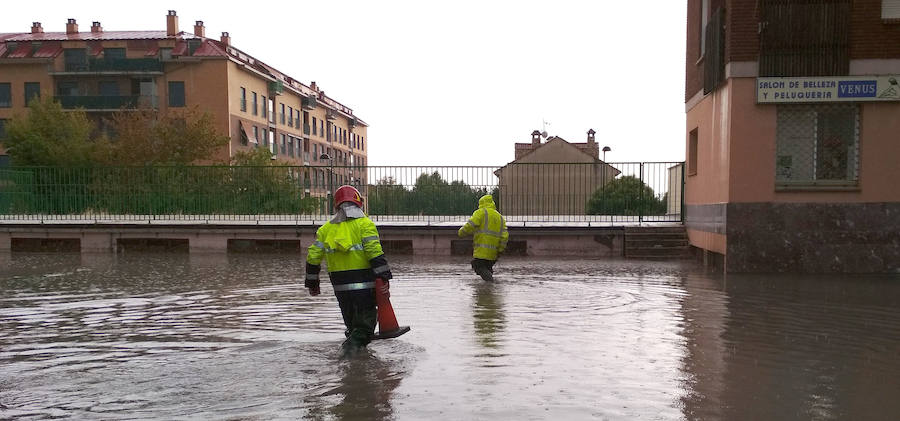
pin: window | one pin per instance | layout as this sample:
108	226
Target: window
271	110
315	152
297	120
890	9
290	115
5	95
265	137
255	104
2	128
291	146
315	127
256	135
692	153
108	88
114	53
67	88
816	143
32	90
243	99
704	19
176	94
282	114
165	53
75	59
322	128
265	112
273	144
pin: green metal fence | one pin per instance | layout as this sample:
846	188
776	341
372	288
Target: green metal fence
536	193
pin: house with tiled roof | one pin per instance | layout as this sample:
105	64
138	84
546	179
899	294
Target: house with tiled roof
255	104
542	179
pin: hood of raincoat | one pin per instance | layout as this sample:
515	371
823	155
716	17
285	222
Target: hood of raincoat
486	201
347	210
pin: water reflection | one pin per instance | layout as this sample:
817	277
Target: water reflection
236	337
366	389
487	314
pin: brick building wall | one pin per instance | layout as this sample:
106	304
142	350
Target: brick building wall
870	36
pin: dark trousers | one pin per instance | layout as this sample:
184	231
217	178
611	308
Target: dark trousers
484	268
360	316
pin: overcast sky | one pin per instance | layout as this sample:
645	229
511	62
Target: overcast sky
451	83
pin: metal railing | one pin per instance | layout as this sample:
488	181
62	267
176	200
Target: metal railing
132	65
601	193
107	102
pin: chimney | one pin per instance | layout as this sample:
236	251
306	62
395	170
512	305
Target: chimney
71	27
36	28
226	39
591	133
535	138
96	28
199	29
313	86
171	24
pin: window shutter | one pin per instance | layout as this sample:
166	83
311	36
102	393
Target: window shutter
890	9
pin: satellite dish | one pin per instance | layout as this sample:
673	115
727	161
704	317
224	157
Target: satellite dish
544	134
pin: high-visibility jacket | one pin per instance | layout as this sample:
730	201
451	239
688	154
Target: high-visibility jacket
353	253
489	228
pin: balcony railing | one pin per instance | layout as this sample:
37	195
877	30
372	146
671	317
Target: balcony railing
129	65
108	102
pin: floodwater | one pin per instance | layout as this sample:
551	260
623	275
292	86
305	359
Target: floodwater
148	336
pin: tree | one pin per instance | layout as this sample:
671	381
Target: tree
626	195
150	137
50	136
386	197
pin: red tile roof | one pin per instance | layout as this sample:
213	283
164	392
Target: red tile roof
99	36
22	51
210	48
48	50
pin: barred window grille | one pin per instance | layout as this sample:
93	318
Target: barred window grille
817	143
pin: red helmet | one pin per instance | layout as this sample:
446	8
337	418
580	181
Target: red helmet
347	194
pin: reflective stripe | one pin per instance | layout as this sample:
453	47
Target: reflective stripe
381	269
367	239
485	246
489	232
471	224
486	219
355	247
312	276
319	244
354	286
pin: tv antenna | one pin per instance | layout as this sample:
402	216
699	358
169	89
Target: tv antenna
544	131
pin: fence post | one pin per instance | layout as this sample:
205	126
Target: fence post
641	197
681	209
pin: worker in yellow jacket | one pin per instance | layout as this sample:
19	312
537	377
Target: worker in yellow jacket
490	236
352	250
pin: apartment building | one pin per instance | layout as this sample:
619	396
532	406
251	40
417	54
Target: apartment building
256	105
792	121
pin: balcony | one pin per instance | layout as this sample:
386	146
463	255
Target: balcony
107	102
115	66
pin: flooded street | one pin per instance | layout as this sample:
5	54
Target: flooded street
146	336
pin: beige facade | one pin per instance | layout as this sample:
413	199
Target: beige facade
255	104
543	181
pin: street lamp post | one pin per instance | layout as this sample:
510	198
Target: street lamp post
330	175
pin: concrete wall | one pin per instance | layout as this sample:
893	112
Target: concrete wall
587	242
707	191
